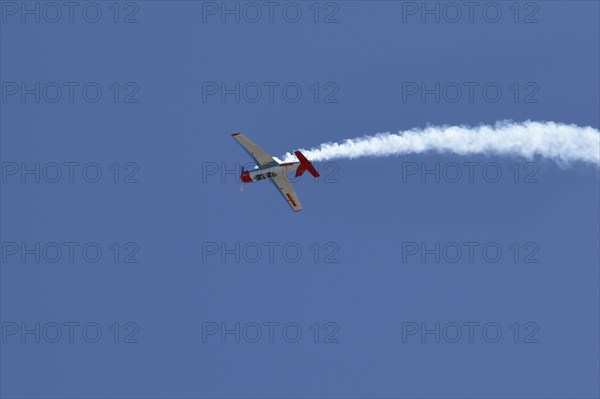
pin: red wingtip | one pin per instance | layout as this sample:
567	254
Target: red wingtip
234	134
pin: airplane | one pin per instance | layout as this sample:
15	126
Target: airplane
275	172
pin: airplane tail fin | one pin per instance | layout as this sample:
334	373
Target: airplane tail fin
305	165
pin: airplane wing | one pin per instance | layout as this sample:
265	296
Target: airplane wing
261	157
284	186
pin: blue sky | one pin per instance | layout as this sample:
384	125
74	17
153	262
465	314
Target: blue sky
177	209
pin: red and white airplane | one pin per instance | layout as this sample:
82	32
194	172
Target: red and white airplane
270	169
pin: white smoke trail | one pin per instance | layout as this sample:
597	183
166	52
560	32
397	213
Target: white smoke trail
560	142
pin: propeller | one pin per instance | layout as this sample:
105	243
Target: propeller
241	181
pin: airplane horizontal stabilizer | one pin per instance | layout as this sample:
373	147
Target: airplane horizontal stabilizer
305	164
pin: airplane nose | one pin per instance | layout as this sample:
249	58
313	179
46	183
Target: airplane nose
246	177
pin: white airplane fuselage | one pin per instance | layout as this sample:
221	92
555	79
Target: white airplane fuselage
268	172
